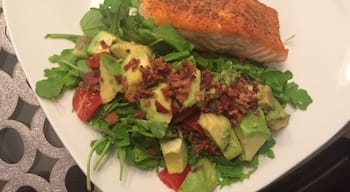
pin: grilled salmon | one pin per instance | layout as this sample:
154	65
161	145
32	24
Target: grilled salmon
243	28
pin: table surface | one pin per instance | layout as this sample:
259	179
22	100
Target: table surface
27	164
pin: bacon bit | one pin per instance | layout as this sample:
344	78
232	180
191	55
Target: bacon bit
147	76
206	144
133	64
167	92
233	101
180	80
160	108
140	114
147	103
112	118
160	69
91	81
104	45
118	78
124	83
175	105
144	93
206	79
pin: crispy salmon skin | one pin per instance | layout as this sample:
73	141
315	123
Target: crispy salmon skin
243	28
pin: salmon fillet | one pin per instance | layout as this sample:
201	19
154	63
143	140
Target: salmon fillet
243	28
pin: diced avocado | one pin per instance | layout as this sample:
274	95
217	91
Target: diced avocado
233	148
194	90
109	87
151	106
81	47
277	118
252	132
175	154
218	128
201	178
265	98
101	42
129	51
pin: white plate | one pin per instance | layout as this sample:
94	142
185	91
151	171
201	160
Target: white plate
319	57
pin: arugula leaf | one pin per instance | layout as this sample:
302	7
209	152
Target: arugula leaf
141	159
92	22
147	144
122	137
112	64
299	98
177	56
94	145
229	174
70	37
266	149
49	88
121	152
68	73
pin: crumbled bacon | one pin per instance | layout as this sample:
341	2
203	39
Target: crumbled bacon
91	81
124	83
233	101
180	80
104	45
133	64
111	118
140	114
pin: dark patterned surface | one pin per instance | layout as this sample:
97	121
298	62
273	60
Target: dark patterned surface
28	164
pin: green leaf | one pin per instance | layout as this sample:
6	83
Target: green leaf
121	152
298	98
148	145
229	174
149	128
82	66
122	138
92	22
140	159
112	64
70	37
177	56
266	149
49	88
172	37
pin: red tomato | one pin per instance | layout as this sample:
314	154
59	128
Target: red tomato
85	103
175	180
94	61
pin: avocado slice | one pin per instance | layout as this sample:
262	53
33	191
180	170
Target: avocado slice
218	128
129	51
101	42
277	118
175	154
157	107
265	98
252	132
109	87
194	90
201	178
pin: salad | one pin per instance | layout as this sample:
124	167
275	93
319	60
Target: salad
201	120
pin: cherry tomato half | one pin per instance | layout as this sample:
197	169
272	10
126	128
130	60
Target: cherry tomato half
85	103
175	180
